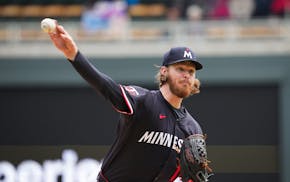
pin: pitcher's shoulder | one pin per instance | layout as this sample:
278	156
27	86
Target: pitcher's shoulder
136	91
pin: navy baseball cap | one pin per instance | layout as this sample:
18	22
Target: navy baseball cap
179	54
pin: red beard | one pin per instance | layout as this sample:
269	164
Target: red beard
181	89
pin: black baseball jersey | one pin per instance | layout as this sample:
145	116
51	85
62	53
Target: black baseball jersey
150	131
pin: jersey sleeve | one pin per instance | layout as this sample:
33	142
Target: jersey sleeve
106	86
133	95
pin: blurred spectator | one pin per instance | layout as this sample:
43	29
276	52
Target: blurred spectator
261	8
181	9
194	13
225	9
241	9
93	17
220	9
278	8
105	16
175	9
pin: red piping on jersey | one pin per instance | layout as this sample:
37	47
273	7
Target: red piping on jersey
127	103
175	174
102	175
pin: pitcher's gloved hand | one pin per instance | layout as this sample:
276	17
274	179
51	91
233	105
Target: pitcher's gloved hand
193	160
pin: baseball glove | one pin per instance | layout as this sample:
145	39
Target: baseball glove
193	160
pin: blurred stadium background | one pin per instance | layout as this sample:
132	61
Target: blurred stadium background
54	127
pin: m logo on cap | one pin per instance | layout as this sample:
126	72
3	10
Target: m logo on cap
187	54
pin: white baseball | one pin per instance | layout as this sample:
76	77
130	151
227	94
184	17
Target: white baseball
48	25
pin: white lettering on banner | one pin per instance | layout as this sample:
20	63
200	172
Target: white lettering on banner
163	139
187	54
29	171
69	168
8	171
86	170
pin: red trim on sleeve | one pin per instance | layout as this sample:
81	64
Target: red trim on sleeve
175	174
104	178
127	103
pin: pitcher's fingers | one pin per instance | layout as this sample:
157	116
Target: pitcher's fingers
66	37
61	29
54	36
